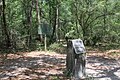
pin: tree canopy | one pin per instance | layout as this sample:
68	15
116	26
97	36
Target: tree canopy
91	20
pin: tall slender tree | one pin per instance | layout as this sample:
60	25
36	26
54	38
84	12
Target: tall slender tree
5	29
38	14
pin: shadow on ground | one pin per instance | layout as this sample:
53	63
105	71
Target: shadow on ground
41	67
101	68
50	66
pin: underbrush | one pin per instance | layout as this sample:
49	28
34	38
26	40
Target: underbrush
57	47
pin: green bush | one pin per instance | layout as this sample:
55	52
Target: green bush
57	47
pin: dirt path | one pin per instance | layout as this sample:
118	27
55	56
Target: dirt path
102	67
50	66
33	66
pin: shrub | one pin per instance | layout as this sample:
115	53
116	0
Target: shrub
57	47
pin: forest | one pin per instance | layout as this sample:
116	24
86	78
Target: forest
35	27
94	21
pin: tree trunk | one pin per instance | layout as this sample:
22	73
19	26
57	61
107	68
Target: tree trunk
38	18
57	23
5	26
27	11
54	27
54	36
29	22
104	18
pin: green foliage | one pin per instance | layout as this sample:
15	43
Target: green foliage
57	47
39	47
77	19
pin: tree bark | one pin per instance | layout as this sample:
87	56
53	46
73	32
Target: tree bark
29	22
55	22
5	26
38	18
104	17
54	26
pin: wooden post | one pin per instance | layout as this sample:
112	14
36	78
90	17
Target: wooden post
45	42
75	63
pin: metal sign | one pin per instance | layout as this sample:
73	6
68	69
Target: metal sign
44	29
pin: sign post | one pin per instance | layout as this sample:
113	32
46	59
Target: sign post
45	42
44	30
76	59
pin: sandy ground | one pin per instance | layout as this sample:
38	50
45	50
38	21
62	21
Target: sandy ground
103	67
40	65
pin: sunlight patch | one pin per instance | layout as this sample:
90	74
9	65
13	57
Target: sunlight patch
117	73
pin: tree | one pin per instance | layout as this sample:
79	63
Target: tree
91	20
54	18
5	29
28	5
